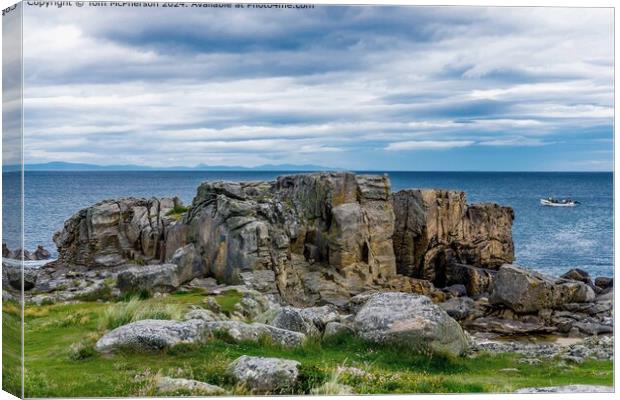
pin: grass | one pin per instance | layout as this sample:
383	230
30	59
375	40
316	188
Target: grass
61	361
177	212
228	300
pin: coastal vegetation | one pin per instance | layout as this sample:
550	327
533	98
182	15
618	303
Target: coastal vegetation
60	359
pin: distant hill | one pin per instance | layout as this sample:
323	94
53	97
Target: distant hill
66	166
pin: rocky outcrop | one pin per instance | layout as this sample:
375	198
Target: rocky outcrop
115	232
527	291
38	255
435	228
323	235
411	321
265	375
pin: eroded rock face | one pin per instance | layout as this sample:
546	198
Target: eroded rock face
265	375
115	232
301	227
527	291
410	320
437	227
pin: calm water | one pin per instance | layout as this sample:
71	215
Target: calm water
548	239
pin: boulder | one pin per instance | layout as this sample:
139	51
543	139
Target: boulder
505	326
241	331
604	282
167	385
150	278
476	280
291	319
265	375
335	329
456	290
568	389
527	291
458	308
320	316
115	232
151	335
41	254
409	320
577	274
436	227
14	276
189	262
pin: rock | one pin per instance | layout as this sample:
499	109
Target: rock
291	319
265	375
323	235
5	251
189	262
508	326
409	320
241	331
14	277
115	232
167	385
577	274
593	328
149	278
437	227
320	316
204	315
568	389
263	281
336	329
41	254
604	282
476	280
151	335
456	290
458	308
527	291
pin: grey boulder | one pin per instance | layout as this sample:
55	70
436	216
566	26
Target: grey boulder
265	375
151	335
167	385
412	321
240	331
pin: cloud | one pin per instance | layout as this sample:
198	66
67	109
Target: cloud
428	145
350	87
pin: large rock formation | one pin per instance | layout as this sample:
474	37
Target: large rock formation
437	227
115	232
324	235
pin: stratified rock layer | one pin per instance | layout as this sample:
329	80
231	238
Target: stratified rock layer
435	228
114	232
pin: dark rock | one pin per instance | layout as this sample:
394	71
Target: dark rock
149	278
508	326
41	254
476	280
577	274
458	308
604	282
456	290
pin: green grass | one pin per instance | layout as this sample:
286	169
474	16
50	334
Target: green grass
177	212
11	348
60	361
228	300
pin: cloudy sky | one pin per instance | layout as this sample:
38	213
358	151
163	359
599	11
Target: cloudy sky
386	88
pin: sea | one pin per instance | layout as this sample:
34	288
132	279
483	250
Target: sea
551	240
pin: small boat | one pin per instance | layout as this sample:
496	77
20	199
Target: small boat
558	202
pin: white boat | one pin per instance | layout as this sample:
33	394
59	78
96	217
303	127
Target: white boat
558	203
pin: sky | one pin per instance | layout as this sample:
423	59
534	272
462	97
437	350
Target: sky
359	88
